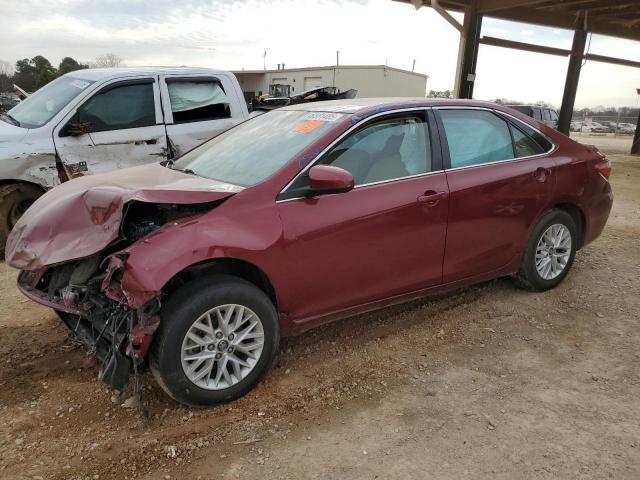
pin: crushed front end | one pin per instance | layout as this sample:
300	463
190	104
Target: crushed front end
71	247
99	297
118	335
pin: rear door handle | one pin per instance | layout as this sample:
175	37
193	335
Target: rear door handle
541	174
431	197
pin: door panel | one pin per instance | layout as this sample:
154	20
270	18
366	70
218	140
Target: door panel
126	148
197	108
491	210
494	197
371	243
126	129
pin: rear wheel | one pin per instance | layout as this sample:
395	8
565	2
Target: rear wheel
550	252
15	199
218	336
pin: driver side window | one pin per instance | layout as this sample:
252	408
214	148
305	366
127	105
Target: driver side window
385	150
126	106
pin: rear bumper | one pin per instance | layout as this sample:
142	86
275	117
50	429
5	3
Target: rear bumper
597	212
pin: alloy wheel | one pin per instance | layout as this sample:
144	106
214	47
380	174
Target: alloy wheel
222	347
553	251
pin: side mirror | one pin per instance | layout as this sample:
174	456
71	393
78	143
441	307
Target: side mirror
328	179
75	128
78	128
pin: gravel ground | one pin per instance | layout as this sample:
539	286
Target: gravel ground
489	382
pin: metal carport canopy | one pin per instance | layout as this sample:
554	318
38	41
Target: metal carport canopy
615	18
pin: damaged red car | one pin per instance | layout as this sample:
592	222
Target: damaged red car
302	216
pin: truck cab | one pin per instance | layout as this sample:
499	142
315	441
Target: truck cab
98	120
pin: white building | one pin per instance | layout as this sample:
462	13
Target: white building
369	80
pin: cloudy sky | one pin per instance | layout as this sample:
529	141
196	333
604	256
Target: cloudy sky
234	35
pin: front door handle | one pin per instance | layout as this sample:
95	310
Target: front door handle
431	198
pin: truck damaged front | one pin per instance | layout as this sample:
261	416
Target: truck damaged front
72	249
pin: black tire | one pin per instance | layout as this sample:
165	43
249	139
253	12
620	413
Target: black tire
528	277
178	314
15	198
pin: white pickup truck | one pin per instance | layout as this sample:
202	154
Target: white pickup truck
96	120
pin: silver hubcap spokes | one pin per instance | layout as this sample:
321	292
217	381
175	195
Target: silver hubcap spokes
553	251
222	347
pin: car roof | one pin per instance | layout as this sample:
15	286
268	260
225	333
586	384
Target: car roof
360	105
95	74
530	106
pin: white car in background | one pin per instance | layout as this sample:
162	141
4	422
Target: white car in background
626	128
97	120
594	127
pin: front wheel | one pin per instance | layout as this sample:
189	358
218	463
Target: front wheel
550	252
217	338
15	198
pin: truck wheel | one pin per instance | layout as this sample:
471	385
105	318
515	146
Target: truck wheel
550	252
218	336
15	198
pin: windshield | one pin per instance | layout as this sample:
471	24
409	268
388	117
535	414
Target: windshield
41	106
256	149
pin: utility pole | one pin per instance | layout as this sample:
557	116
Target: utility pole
264	60
413	67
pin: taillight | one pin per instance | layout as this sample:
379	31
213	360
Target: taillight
604	167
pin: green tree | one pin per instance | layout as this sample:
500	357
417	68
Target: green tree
68	64
440	94
34	73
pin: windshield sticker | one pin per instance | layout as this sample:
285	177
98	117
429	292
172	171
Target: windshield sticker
309	126
323	116
80	84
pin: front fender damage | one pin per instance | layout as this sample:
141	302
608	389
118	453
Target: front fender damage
121	285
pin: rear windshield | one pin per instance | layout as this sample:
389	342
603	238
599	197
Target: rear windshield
41	106
256	149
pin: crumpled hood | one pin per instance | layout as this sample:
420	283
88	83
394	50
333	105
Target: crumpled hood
83	216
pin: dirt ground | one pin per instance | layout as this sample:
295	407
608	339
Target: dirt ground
490	382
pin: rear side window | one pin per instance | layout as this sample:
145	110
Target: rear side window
554	115
523	145
537	114
537	137
196	100
547	115
126	106
475	137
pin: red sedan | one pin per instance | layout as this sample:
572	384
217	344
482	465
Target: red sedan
299	217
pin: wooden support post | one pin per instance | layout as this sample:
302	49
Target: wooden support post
467	61
573	77
635	146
